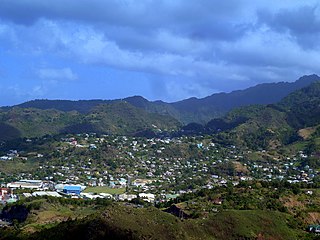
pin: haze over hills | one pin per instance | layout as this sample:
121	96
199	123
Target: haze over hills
193	109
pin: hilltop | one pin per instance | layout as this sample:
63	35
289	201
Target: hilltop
113	118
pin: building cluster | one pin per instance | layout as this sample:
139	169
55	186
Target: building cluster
145	168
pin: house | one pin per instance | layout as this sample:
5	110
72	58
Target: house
149	197
169	197
125	196
27	195
217	201
4	192
314	228
42	193
90	196
141	182
71	189
106	195
27	184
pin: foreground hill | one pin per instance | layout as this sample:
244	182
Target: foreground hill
193	109
115	118
130	223
120	221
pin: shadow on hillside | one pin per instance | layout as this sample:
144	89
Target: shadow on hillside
8	132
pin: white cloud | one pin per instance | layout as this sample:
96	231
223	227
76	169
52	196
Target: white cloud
265	48
56	74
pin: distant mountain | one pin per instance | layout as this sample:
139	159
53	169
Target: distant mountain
82	106
217	105
193	109
272	125
85	106
116	118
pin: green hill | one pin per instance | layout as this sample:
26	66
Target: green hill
115	118
24	122
276	124
118	221
150	223
123	118
217	105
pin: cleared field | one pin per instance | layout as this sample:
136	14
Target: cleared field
104	190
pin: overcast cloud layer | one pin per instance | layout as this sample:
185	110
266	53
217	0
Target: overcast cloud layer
160	49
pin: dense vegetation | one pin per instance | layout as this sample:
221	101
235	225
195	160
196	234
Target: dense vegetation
115	118
278	124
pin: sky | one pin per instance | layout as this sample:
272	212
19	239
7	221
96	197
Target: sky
158	49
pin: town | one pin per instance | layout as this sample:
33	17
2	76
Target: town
123	168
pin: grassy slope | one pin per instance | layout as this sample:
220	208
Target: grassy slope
18	166
278	124
250	224
119	222
117	118
104	190
127	222
35	122
123	118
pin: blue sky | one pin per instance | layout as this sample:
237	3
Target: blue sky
159	49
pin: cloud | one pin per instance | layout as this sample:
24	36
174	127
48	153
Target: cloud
56	74
21	92
267	48
145	14
176	56
303	24
205	46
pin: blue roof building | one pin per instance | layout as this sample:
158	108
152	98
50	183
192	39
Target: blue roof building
72	189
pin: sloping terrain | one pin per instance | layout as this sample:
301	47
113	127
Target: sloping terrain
115	118
118	221
276	124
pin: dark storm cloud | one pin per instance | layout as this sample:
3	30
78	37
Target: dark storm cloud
197	18
143	13
303	23
171	27
27	12
209	45
298	21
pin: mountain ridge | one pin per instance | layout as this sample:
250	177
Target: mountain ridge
111	118
199	110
